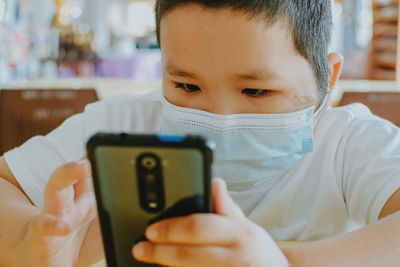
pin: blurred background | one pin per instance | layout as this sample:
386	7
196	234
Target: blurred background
52	39
58	55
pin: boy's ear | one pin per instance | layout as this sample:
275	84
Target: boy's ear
335	61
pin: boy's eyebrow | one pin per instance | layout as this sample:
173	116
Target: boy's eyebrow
261	74
174	71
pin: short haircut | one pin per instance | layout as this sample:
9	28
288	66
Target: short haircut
309	20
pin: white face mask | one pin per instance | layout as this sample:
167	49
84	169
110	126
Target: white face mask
251	149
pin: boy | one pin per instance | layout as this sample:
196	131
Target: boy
254	76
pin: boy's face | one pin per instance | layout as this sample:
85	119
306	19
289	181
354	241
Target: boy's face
220	61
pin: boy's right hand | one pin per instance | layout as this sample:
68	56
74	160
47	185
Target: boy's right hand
66	232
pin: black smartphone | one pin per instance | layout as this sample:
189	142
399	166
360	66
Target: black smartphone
142	179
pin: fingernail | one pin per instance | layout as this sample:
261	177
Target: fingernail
138	250
86	163
152	233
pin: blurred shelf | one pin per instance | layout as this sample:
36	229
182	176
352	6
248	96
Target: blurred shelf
105	88
384	40
362	86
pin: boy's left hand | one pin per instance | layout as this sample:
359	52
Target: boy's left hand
226	238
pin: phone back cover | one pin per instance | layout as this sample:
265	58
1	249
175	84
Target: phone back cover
123	218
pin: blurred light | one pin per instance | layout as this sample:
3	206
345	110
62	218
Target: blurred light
84	29
65	10
75	12
116	15
81	29
2	9
140	18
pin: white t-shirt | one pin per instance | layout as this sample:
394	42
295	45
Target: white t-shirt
340	186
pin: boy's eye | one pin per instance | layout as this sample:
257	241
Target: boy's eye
256	92
190	88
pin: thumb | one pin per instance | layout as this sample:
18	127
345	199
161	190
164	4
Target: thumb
223	203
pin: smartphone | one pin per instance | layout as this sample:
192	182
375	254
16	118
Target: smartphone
142	179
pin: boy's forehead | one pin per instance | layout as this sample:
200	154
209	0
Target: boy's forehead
194	37
224	32
209	20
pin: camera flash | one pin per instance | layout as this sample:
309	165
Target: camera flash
153	205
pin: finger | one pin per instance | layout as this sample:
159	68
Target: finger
69	174
188	256
46	225
83	188
60	193
223	203
197	229
85	201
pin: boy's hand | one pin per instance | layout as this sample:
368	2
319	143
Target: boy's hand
223	239
66	233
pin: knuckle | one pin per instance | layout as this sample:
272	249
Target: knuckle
250	231
243	262
164	231
41	225
61	172
152	252
67	168
48	225
44	223
73	168
193	226
182	254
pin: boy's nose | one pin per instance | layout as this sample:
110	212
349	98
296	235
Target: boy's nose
221	105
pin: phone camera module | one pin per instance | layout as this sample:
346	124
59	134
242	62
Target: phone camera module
150	181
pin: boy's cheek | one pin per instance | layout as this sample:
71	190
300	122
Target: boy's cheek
301	100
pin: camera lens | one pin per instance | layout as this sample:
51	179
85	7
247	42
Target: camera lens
149	163
151	196
151	187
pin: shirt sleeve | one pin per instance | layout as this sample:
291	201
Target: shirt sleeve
371	166
33	163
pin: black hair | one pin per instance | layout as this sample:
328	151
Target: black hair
309	20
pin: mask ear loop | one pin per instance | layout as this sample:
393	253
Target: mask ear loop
318	113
